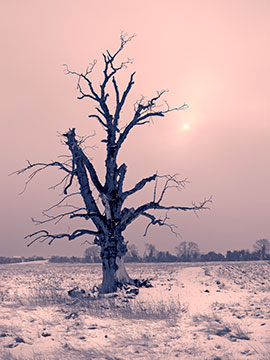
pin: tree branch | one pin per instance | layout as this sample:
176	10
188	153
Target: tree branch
44	235
139	186
71	178
156	206
176	184
132	214
61	201
77	152
64	181
144	111
58	217
109	61
99	120
120	103
121	173
160	222
93	95
39	167
82	164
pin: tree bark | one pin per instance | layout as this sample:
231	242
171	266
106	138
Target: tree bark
114	275
113	269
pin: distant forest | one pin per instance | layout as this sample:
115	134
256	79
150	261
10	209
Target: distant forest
184	252
19	259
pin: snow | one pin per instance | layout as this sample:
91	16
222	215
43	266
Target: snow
203	311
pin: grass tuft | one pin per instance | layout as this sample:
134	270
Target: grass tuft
42	297
218	327
136	309
262	352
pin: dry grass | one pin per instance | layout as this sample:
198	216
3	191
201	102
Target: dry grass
213	325
262	351
118	305
136	309
74	354
132	309
42	297
125	346
113	306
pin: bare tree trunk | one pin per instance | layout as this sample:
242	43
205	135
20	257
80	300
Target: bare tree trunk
121	274
114	275
113	268
109	281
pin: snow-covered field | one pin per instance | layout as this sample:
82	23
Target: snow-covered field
193	311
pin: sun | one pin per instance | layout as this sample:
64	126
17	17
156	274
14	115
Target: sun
186	126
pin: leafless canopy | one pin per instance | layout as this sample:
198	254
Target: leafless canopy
106	211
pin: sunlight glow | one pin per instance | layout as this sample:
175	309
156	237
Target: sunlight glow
186	126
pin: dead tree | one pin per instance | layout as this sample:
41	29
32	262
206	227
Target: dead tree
107	215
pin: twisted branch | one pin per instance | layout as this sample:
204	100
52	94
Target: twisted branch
44	235
39	167
143	111
140	185
59	217
160	222
171	181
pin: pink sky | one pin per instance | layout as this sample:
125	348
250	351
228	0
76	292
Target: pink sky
213	55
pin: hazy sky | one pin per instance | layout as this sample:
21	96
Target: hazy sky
212	54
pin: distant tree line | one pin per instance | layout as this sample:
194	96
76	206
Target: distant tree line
91	255
73	259
19	259
184	252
